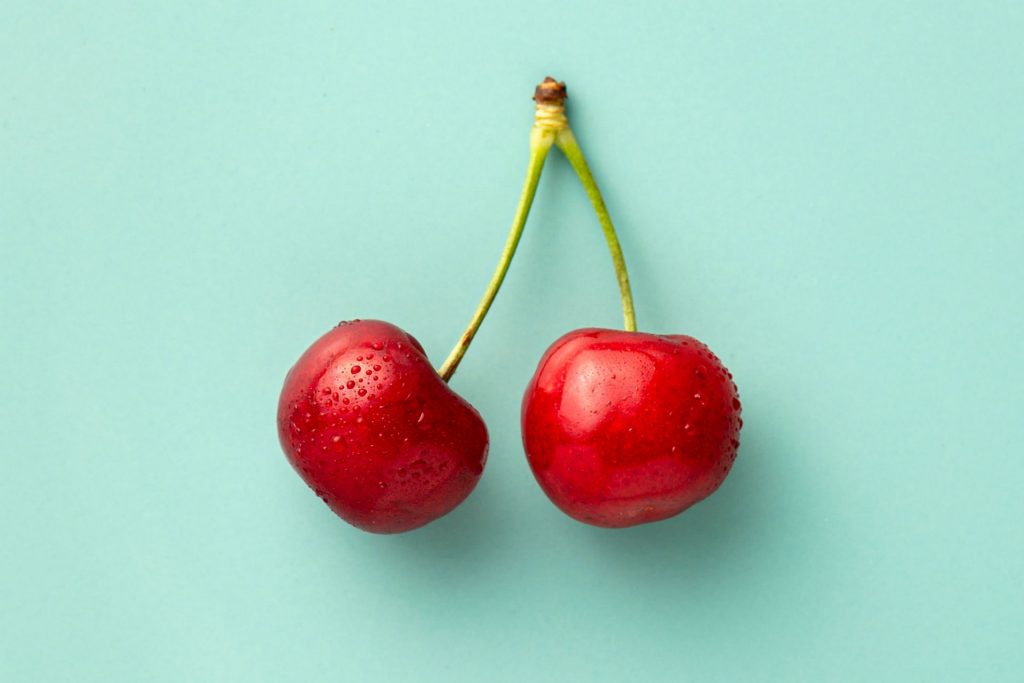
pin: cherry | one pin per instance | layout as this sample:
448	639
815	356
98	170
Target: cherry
376	432
373	429
622	428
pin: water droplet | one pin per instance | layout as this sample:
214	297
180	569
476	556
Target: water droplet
356	369
359	357
335	439
362	392
736	403
376	368
386	358
377	346
700	372
344	400
350	384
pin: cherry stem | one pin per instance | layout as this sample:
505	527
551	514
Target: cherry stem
550	127
540	144
566	142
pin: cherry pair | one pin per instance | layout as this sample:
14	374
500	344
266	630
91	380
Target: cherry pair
619	427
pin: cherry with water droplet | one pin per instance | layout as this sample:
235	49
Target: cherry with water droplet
638	448
624	427
383	435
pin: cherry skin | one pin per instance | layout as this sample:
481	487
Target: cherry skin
368	423
623	428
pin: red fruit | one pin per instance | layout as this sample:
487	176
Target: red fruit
373	429
623	428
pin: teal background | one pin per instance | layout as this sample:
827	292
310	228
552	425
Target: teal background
830	195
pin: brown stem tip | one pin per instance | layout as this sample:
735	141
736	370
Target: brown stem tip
550	92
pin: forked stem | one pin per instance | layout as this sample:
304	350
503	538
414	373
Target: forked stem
550	126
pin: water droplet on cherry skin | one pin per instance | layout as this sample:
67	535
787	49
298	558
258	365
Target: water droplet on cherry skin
377	346
356	369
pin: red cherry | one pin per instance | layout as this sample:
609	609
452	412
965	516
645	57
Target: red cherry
623	428
373	429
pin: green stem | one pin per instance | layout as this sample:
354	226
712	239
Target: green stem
540	144
566	142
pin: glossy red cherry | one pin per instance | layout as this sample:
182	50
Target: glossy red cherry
373	429
623	428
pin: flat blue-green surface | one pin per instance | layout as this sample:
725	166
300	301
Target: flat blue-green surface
831	196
